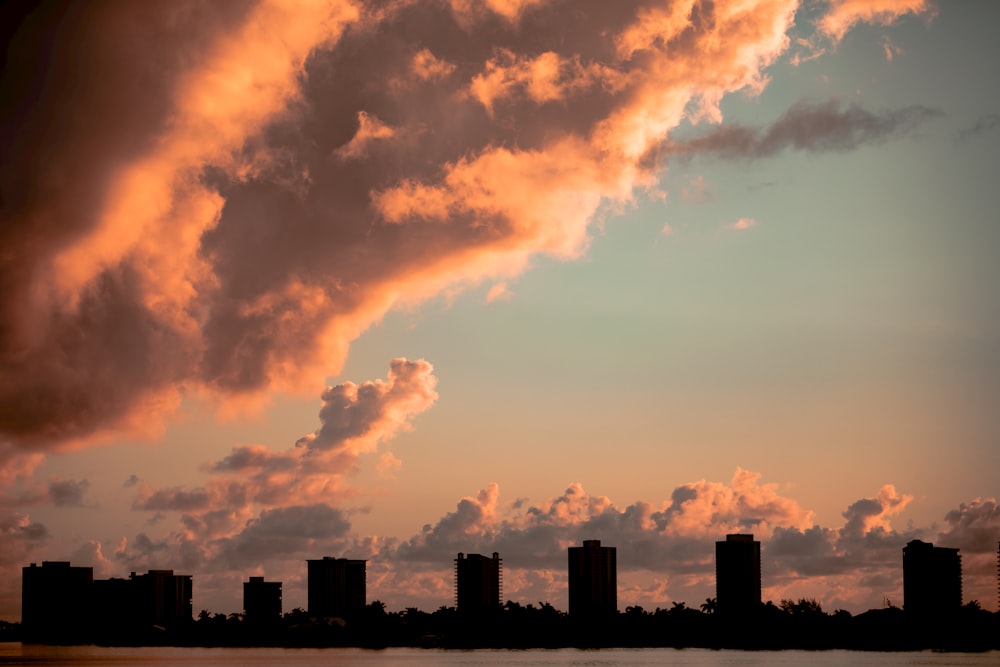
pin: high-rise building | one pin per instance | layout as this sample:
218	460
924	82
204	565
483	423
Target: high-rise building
261	601
932	578
336	587
55	600
478	583
161	598
593	580
737	575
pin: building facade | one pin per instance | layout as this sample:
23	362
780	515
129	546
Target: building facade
336	587
261	601
737	575
593	580
478	583
162	598
56	600
932	579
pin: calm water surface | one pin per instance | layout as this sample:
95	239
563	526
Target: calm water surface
16	654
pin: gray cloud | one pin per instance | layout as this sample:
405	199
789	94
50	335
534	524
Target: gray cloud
306	531
984	125
68	492
806	126
174	498
973	527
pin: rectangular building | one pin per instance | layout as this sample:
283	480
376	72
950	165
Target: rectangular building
737	575
261	601
162	598
593	580
478	583
932	579
56	601
336	587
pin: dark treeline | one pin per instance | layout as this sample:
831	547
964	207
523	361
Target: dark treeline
791	625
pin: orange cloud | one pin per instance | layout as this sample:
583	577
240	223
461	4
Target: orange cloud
257	202
743	223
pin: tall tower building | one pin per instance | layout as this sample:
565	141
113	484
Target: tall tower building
336	587
261	601
932	579
593	580
478	583
737	575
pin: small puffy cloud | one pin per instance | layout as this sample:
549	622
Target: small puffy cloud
696	191
68	492
498	291
427	67
869	514
361	416
742	224
370	129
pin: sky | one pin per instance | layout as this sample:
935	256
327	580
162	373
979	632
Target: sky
396	280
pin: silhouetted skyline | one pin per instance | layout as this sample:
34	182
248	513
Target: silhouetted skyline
64	604
399	280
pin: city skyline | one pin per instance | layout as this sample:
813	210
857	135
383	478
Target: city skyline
55	593
397	282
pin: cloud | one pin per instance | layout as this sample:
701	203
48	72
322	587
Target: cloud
806	126
20	537
870	514
232	198
696	191
68	492
499	291
987	123
841	15
370	129
973	527
361	416
265	509
743	223
283	532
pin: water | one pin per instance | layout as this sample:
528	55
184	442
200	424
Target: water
16	654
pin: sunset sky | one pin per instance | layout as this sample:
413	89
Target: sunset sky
393	280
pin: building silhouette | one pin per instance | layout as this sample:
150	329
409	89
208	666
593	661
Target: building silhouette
593	580
478	583
115	604
55	601
261	601
336	587
932	579
161	598
737	575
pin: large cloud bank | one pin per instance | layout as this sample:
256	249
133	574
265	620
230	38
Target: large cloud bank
215	200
